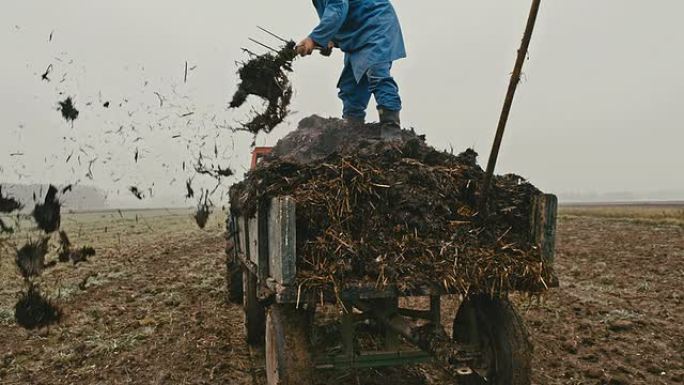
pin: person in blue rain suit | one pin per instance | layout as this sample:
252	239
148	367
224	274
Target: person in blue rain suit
369	33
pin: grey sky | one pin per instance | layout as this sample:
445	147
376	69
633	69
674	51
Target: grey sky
599	110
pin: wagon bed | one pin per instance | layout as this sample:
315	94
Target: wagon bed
489	339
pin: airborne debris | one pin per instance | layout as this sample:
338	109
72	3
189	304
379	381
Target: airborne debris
66	253
64	247
33	311
69	111
45	75
224	171
30	258
91	163
47	214
202	213
266	76
213	171
188	186
161	99
138	194
8	204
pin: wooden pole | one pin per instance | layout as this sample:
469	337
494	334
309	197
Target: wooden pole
508	103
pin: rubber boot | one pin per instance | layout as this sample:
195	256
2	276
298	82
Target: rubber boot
390	124
353	121
367	131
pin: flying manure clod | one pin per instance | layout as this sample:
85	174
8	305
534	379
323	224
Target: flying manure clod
266	76
30	258
33	311
66	253
190	192
47	214
9	204
136	192
202	213
68	109
64	247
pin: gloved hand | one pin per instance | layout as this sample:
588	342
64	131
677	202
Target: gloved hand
327	51
305	47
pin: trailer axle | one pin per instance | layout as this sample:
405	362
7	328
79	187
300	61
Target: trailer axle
455	358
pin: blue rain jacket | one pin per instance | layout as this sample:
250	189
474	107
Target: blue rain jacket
368	31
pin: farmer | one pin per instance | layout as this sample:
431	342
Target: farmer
369	33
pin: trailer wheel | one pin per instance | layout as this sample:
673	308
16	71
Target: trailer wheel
497	329
288	359
255	317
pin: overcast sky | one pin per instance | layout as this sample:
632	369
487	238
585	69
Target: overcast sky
599	110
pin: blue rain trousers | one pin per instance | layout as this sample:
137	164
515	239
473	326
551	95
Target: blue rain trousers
377	82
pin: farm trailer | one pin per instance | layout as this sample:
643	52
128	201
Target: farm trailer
489	343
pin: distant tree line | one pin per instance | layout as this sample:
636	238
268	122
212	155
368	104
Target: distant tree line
77	198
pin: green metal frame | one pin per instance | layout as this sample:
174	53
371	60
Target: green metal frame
373	360
393	354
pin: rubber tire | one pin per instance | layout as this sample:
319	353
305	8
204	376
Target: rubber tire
288	357
255	315
495	325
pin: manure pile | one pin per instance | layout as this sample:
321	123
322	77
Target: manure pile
396	214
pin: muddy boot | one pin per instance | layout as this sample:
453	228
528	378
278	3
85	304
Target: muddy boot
368	131
390	124
353	121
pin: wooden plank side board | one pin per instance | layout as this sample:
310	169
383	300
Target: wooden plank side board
543	225
242	248
263	267
253	240
282	238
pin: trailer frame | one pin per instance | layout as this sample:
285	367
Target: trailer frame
264	248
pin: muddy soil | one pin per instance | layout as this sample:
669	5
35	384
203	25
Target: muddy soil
618	316
152	311
148	309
